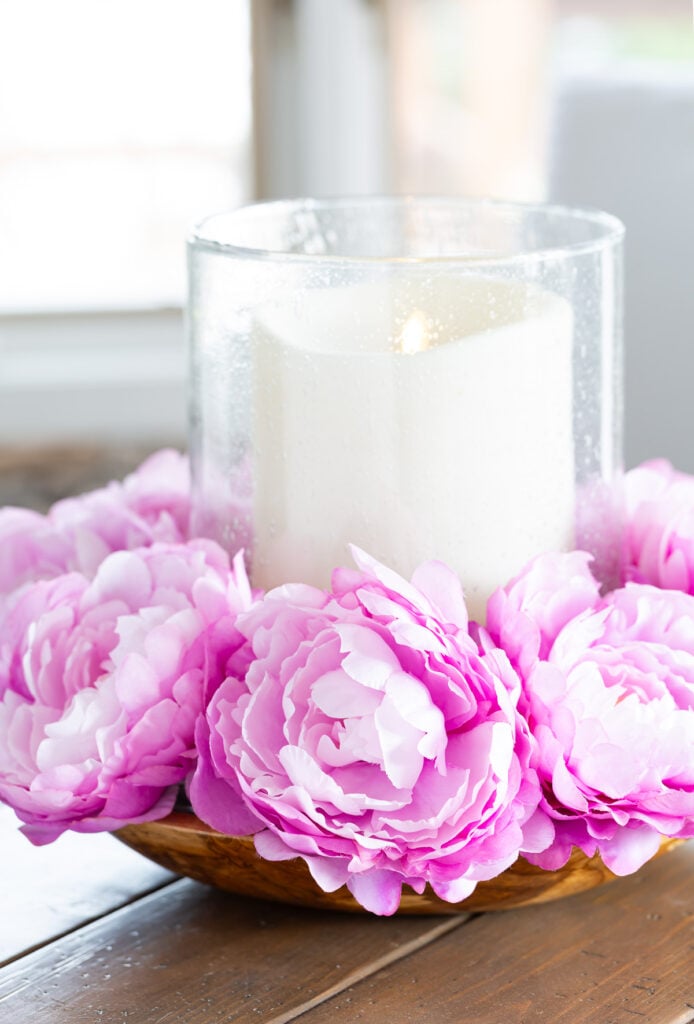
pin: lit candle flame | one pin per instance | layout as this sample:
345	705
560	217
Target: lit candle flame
414	336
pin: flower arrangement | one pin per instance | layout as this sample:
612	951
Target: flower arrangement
371	729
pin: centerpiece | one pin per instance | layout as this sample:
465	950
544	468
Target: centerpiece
428	640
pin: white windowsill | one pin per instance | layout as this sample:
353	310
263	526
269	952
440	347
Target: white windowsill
97	376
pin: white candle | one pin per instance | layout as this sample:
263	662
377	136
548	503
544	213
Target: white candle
427	421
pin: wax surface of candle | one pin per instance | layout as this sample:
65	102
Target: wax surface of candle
432	421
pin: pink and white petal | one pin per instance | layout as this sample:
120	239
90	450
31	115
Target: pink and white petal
377	890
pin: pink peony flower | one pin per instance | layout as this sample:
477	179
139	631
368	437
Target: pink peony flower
659	538
609	695
373	738
152	504
101	682
525	617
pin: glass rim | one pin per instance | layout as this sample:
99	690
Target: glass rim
608	230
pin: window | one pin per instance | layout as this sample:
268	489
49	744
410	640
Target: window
121	121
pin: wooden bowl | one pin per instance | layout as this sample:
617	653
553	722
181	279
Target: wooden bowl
185	845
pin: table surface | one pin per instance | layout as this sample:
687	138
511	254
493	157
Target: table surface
92	932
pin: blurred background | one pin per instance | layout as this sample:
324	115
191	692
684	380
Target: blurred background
121	123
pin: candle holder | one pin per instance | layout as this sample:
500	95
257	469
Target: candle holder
425	378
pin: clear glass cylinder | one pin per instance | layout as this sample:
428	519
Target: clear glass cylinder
424	378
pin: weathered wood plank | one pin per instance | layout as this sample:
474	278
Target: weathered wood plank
620	955
192	955
46	891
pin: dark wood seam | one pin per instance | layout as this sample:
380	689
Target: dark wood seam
364	971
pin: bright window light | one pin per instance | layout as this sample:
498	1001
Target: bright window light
121	122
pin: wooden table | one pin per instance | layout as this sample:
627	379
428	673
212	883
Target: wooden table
91	932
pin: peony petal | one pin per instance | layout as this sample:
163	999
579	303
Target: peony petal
330	873
442	587
216	801
305	773
566	789
399	739
123	577
454	890
538	833
369	659
387	577
269	846
629	849
340	696
377	891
